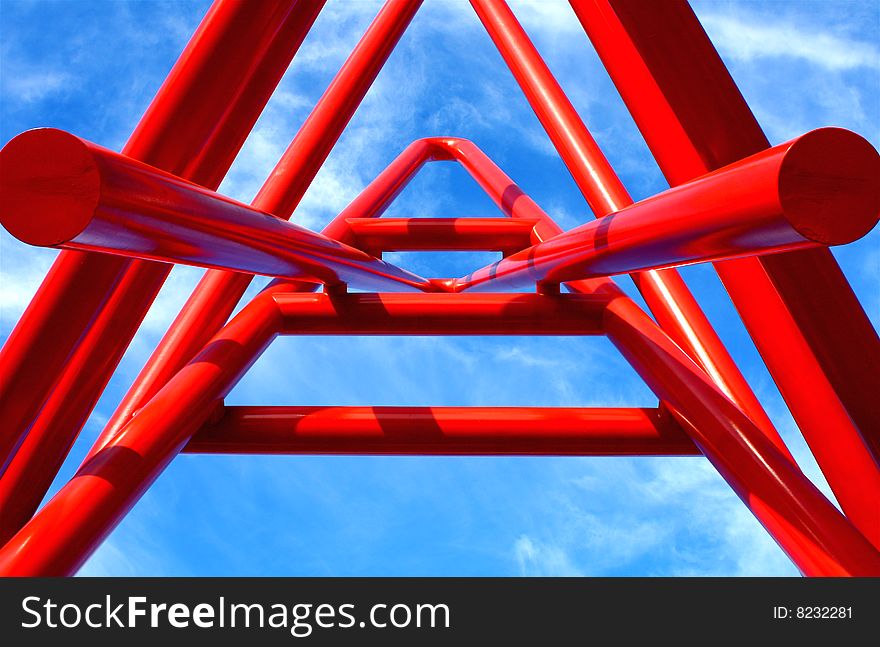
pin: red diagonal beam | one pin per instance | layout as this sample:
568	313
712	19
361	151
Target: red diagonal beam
811	531
809	327
217	294
451	431
58	190
818	189
80	321
664	291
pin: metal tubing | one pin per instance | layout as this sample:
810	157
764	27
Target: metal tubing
202	313
821	542
61	191
217	294
450	431
194	128
440	314
376	235
60	537
32	470
817	189
664	291
809	327
818	539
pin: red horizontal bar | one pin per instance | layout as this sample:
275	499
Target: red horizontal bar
61	191
460	431
818	189
440	314
504	235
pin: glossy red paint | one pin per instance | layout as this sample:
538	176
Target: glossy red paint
377	235
65	347
122	206
441	314
801	312
664	291
217	294
752	204
810	530
818	189
451	431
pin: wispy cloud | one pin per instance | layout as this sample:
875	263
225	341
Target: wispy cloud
751	39
27	88
429	515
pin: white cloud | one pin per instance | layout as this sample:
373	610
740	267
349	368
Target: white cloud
544	516
753	39
29	87
542	560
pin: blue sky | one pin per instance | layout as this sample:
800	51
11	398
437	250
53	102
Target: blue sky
92	67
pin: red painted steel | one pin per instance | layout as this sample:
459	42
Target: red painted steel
452	431
664	291
376	235
776	199
811	531
73	523
217	294
194	128
817	189
61	191
809	327
817	538
440	314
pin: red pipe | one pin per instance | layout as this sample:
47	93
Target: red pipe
664	291
818	189
809	327
440	314
60	537
450	431
201	313
32	470
217	294
61	191
193	128
818	539
377	235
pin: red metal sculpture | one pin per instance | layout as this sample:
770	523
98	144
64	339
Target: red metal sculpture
765	216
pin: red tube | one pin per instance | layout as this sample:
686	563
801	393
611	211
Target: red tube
809	327
61	191
818	539
72	524
451	431
816	548
62	534
376	235
193	128
440	314
664	291
818	189
32	470
217	294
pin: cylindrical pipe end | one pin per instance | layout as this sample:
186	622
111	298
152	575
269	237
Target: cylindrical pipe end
829	186
50	187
